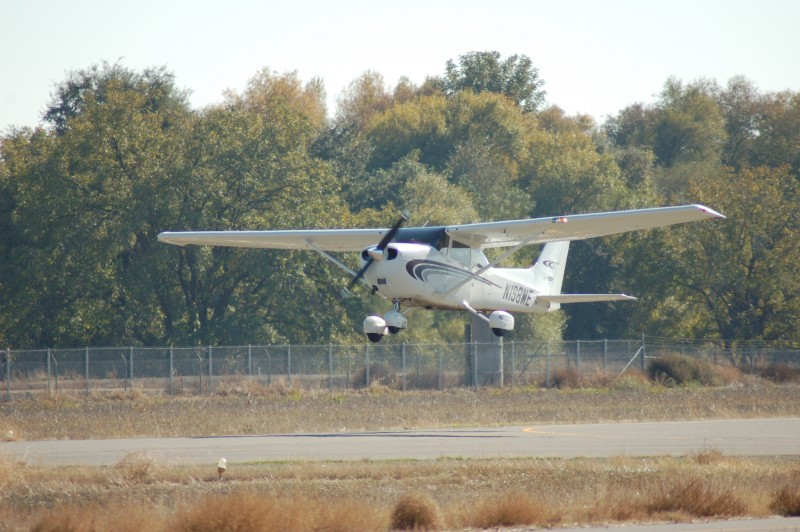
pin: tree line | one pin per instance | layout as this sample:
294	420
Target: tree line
121	156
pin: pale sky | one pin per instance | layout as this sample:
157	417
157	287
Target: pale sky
595	57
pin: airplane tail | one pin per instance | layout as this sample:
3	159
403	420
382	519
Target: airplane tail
548	271
548	276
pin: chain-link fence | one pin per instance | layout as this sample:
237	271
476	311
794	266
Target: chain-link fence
176	370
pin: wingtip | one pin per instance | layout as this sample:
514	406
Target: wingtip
711	212
165	237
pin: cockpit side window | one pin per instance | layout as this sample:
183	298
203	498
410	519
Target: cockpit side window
454	249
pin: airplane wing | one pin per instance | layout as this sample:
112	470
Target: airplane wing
481	235
574	227
325	239
584	298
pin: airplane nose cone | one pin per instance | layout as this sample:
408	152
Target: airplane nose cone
376	254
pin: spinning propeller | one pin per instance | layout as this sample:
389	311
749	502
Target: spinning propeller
376	253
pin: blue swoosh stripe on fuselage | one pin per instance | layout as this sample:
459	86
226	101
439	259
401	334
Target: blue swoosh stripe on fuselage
420	269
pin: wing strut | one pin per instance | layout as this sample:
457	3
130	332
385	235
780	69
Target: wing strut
333	259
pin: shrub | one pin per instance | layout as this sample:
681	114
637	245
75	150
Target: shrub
678	370
780	373
511	509
632	380
786	502
564	377
698	499
378	374
416	511
95	517
707	457
137	467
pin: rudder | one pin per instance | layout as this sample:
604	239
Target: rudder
548	271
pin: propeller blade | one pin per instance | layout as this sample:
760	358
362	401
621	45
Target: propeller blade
387	238
360	273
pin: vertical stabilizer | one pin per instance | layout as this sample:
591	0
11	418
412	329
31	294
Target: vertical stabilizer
548	272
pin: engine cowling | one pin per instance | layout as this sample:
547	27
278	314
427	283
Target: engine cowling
375	328
501	322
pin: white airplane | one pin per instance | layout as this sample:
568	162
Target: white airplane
444	267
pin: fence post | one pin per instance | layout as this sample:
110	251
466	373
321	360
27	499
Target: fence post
513	361
249	360
475	364
269	367
439	358
125	378
366	373
86	360
547	366
330	368
8	373
643	353
289	364
171	369
403	351
347	376
131	357
210	368
416	367
605	354
49	387
55	373
578	360
502	362
200	367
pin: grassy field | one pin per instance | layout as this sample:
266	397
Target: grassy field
141	493
239	409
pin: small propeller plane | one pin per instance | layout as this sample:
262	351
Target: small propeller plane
444	267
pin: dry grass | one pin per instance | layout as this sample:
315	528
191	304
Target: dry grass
423	495
139	493
506	510
254	511
283	409
786	501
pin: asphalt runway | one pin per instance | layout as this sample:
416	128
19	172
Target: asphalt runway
741	437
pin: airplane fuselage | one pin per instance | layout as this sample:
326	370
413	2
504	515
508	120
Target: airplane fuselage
419	275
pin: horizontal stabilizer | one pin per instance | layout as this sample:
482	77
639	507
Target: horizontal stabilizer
584	298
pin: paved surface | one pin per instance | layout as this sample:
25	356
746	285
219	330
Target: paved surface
735	525
751	437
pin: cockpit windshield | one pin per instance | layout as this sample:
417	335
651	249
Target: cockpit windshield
454	249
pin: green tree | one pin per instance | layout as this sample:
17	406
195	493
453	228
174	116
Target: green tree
691	126
251	168
89	197
99	82
778	132
514	77
479	141
76	206
741	106
743	271
566	174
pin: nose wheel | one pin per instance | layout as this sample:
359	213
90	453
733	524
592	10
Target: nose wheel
375	327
